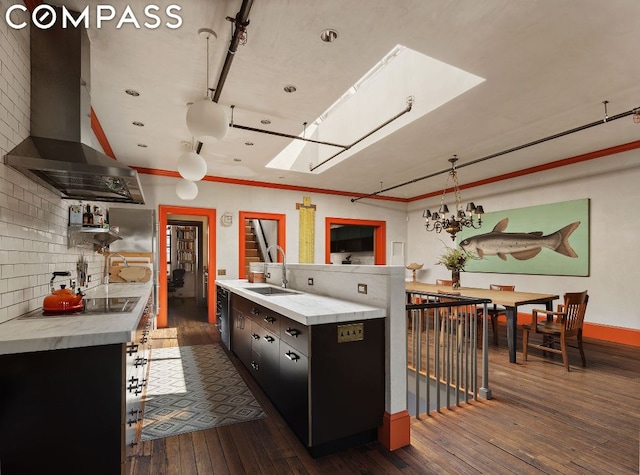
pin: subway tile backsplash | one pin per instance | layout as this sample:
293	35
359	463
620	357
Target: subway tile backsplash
33	220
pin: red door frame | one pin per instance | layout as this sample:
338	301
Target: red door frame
210	214
242	217
379	237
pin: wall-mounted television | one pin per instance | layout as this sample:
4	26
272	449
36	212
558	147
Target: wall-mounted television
352	238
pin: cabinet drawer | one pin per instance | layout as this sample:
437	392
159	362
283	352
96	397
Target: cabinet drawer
242	305
267	319
295	334
259	314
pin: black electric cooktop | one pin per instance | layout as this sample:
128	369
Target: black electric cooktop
93	306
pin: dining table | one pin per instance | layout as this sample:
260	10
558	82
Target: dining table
511	300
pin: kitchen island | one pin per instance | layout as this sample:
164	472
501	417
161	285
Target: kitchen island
319	359
71	384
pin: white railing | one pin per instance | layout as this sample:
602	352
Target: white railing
443	356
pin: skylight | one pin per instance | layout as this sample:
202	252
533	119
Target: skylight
376	97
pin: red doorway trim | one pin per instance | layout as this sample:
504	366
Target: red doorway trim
242	217
379	237
210	214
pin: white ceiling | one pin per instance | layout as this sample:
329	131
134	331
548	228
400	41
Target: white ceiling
548	66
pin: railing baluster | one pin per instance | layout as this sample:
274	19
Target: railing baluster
451	326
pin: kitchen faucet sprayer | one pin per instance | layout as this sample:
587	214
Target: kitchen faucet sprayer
284	265
115	254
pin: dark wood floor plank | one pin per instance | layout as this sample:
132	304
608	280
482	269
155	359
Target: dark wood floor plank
159	460
253	458
216	452
230	450
172	449
542	420
201	452
187	455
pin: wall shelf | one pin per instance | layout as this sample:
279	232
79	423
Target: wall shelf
88	236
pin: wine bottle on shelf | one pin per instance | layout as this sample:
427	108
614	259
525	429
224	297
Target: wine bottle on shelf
87	216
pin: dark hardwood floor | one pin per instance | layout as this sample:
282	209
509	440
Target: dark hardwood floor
541	420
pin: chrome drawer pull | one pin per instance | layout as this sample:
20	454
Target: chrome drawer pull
271	320
255	336
292	332
269	338
292	356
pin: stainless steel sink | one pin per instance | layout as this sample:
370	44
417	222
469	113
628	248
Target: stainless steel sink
272	291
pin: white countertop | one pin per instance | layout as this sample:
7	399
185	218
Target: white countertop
304	307
22	335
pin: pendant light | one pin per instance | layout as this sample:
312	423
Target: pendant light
192	166
207	120
186	190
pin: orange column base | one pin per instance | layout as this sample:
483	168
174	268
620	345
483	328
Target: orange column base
395	431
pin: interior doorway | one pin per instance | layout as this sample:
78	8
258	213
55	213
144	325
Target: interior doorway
355	241
186	255
188	215
257	232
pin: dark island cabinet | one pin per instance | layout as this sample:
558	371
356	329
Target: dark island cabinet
326	380
293	402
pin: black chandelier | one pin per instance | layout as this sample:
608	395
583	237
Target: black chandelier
438	220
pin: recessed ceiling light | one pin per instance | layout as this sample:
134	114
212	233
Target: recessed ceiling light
142	145
265	121
237	159
329	35
132	92
290	88
248	143
137	124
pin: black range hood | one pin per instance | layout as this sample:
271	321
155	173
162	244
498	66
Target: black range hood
58	154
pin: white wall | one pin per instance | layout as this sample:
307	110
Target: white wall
611	183
160	190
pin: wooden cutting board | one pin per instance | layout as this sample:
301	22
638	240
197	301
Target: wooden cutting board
133	274
136	261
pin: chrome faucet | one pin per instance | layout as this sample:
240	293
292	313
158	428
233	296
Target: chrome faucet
106	273
284	265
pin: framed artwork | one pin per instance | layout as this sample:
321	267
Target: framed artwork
550	239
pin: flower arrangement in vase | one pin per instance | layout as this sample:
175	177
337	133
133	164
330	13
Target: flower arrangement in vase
455	260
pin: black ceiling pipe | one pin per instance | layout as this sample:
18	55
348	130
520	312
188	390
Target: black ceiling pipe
241	22
504	152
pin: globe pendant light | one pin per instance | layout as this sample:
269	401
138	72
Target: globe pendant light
192	166
186	190
207	120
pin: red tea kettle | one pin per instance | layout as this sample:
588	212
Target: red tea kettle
62	300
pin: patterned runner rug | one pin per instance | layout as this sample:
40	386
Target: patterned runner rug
194	388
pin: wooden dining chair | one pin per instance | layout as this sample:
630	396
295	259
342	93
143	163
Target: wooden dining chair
494	311
564	324
448	283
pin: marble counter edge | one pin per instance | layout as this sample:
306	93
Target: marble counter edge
291	306
59	332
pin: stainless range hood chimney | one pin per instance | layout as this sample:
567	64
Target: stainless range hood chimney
58	154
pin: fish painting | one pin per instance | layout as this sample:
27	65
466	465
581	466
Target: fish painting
521	246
